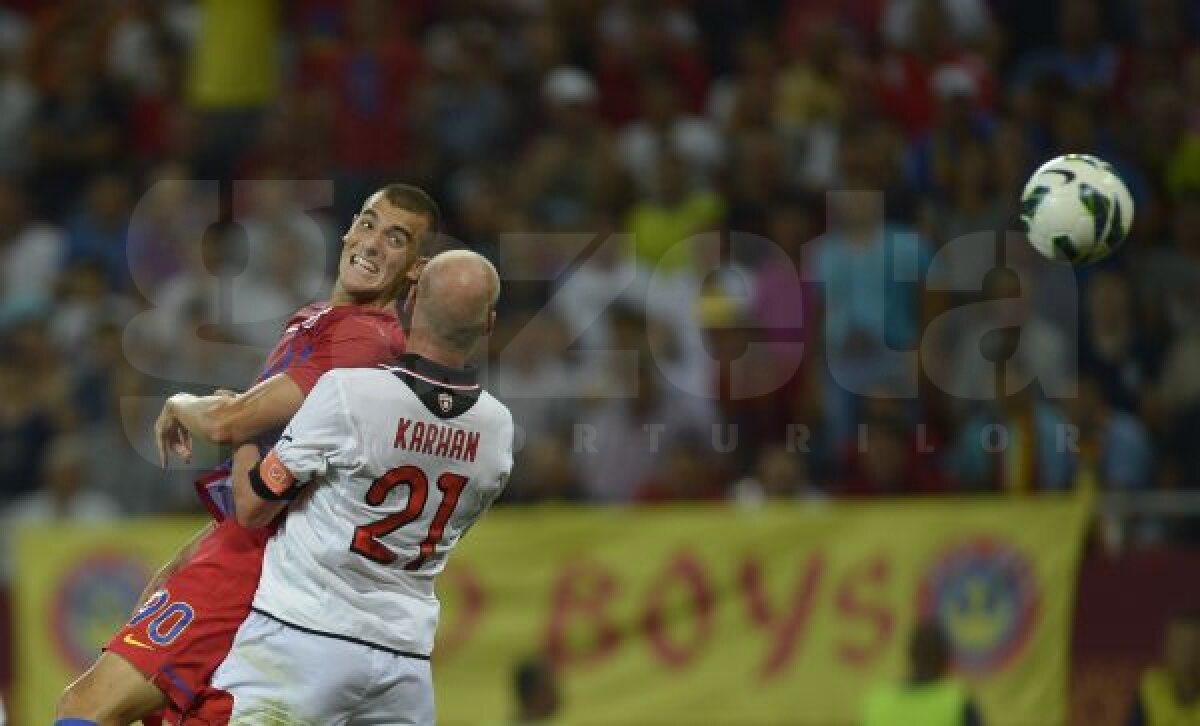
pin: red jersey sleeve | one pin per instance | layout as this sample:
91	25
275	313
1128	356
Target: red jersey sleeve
354	341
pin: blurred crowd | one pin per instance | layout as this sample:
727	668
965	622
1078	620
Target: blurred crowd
752	250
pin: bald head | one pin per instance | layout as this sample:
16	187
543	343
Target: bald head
455	300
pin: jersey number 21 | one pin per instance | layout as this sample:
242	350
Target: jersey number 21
366	537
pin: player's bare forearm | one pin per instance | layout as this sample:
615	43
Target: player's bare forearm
250	509
180	559
226	419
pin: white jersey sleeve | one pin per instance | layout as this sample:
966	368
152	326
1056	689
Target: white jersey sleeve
321	435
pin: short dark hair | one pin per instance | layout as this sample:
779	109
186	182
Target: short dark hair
417	200
929	650
530	675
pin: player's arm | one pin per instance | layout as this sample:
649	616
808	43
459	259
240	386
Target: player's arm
254	505
320	437
225	419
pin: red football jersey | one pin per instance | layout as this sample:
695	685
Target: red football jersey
319	337
316	339
182	634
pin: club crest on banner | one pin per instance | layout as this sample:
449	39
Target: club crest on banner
984	595
94	599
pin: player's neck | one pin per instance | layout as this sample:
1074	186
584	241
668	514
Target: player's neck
339	296
432	350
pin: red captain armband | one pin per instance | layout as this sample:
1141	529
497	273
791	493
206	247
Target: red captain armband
272	481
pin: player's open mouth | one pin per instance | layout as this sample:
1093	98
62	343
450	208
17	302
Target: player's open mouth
365	265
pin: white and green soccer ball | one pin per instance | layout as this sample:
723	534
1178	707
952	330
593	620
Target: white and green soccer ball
1075	208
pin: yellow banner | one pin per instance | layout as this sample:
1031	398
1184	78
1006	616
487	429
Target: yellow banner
73	587
672	616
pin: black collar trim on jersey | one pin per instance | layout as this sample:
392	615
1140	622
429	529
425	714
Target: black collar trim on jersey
436	373
447	392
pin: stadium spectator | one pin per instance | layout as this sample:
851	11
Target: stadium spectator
167	225
31	252
62	495
663	224
688	470
1171	275
116	409
969	22
1170	694
968	221
18	103
634	40
1174	407
930	696
96	233
536	690
583	298
1114	348
780	474
1084	58
234	78
869	267
569	167
758	175
464	110
758	396
783	305
1016	444
1112	449
959	123
366	76
539	120
1010	329
665	129
619	440
745	98
910	76
26	426
813	99
543	472
886	461
77	126
531	376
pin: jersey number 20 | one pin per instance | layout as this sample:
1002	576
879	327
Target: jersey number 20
366	538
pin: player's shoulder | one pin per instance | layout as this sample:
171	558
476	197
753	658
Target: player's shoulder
363	380
309	316
495	410
356	335
349	320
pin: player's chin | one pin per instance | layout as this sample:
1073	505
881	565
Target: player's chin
365	290
356	281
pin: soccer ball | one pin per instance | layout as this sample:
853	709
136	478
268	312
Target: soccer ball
1075	208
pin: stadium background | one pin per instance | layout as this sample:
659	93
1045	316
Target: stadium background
544	128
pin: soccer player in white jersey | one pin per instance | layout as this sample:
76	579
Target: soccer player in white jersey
382	470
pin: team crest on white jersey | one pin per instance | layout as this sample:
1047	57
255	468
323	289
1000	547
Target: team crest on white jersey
445	402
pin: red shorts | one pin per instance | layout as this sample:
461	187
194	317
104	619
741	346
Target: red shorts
183	632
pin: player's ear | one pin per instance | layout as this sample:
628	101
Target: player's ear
414	272
491	322
410	300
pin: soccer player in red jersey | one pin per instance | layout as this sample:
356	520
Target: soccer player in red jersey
163	658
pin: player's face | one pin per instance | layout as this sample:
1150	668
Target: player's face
380	250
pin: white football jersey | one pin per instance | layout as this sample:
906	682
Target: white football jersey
399	462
